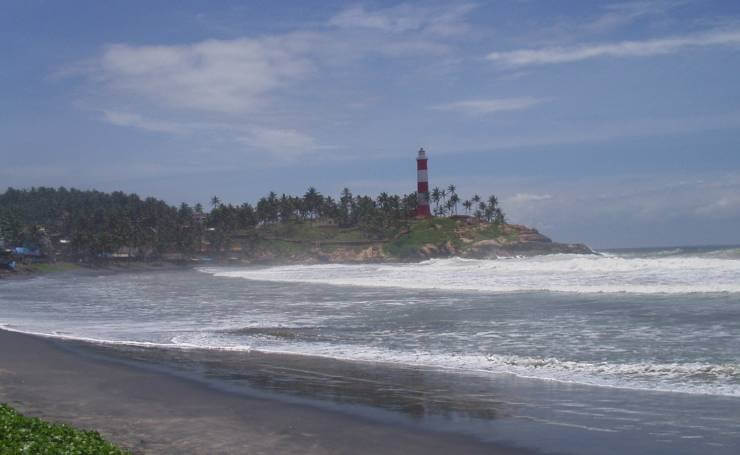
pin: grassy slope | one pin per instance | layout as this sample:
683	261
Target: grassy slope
307	234
434	231
20	434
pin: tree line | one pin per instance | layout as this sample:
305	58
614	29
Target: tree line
94	223
446	200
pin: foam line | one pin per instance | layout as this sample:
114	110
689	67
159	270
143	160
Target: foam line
555	273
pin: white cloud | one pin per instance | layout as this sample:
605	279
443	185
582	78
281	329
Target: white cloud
444	20
620	14
597	132
283	143
213	75
488	106
645	209
525	198
279	142
644	48
133	120
398	31
400	48
724	206
244	75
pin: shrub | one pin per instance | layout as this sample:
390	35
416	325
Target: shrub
29	435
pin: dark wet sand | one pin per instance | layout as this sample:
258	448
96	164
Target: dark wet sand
151	412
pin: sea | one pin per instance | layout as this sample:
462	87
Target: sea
632	350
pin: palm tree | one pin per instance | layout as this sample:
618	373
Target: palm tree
436	195
467	204
215	201
454	200
493	201
489	212
346	203
313	200
498	216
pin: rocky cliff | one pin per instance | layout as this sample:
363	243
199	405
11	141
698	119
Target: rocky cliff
518	240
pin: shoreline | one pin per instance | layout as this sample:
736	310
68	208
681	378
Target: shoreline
151	411
65	267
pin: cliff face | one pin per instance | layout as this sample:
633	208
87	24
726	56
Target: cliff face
422	239
472	239
518	240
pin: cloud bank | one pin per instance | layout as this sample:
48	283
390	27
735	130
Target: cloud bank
213	75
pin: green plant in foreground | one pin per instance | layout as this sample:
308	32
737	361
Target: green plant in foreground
29	435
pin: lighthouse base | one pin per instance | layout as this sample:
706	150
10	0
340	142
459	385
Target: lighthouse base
423	212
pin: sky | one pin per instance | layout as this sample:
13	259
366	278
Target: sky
612	123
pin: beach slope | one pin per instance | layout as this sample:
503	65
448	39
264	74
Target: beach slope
152	412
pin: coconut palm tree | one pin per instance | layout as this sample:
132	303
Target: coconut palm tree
313	200
493	201
436	195
454	200
498	217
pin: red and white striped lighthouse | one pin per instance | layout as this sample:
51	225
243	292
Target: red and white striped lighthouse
422	186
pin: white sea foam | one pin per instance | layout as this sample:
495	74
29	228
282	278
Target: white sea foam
692	378
558	273
175	344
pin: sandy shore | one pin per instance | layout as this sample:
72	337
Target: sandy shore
153	412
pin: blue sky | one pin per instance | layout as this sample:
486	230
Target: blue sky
612	123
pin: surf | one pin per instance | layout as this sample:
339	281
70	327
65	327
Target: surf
661	274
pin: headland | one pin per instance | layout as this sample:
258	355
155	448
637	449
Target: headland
48	229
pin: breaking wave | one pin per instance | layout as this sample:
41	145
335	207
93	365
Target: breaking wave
690	377
715	272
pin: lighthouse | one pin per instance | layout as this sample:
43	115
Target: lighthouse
422	185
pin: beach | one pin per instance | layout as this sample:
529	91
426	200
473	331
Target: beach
153	412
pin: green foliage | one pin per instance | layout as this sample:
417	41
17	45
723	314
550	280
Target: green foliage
433	230
95	225
26	435
11	224
491	231
54	267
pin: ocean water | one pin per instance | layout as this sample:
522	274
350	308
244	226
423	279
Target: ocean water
573	353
